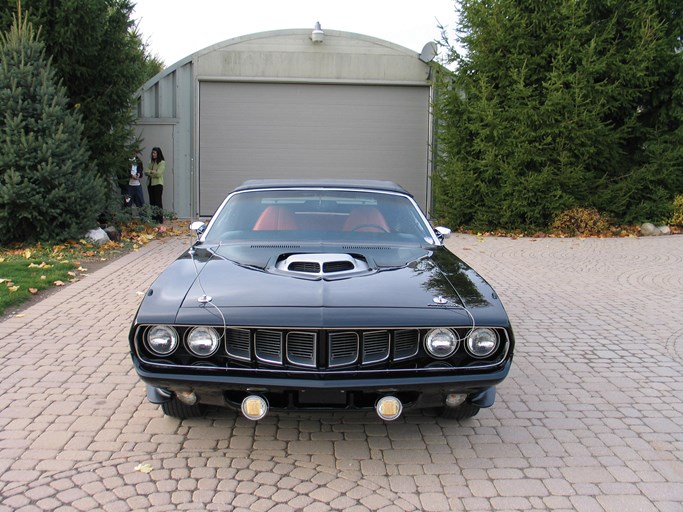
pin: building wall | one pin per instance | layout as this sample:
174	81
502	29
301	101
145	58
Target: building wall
171	99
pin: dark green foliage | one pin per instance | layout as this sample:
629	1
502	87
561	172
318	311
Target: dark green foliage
48	190
558	104
101	60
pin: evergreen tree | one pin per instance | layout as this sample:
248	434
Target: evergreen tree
48	189
101	59
546	111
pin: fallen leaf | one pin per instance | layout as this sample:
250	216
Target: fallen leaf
72	274
12	289
2	260
43	278
81	269
139	294
33	291
27	254
58	283
20	315
144	468
42	265
2	280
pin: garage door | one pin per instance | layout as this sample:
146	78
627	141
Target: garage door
256	130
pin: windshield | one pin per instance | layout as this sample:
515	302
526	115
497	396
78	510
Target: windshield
319	216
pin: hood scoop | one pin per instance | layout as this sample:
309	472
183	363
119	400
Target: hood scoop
322	265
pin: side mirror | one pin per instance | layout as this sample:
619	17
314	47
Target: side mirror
442	233
198	227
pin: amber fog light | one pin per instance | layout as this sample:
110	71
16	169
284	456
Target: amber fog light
482	342
254	407
441	343
162	339
203	341
389	408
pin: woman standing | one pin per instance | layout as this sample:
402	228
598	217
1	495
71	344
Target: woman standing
155	187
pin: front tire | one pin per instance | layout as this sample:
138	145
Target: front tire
177	409
461	412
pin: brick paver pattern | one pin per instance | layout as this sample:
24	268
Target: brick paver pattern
590	418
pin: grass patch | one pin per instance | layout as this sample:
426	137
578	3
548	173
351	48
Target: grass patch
20	280
26	270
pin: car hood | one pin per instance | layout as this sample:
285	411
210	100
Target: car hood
243	276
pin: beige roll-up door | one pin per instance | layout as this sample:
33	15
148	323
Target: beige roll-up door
256	130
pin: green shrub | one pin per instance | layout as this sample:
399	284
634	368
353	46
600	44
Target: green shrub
580	221
49	189
677	217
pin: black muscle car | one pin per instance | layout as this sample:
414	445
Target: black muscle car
320	295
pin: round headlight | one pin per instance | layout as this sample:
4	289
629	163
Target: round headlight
441	343
203	341
482	342
162	339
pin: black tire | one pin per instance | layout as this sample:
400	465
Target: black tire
461	412
177	409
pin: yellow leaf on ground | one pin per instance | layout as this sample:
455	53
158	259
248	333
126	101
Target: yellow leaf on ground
43	278
33	291
20	315
144	468
12	289
2	280
58	283
72	274
27	254
81	269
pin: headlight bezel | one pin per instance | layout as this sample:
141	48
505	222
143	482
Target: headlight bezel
212	334
173	335
446	335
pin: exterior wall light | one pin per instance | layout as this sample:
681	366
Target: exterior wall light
317	36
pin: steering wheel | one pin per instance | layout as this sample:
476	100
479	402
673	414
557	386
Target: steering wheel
375	226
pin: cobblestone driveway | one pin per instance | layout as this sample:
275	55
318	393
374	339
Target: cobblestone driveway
590	419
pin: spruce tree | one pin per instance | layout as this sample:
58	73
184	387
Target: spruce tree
101	59
558	104
48	188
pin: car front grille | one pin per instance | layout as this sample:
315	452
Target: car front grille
320	349
328	350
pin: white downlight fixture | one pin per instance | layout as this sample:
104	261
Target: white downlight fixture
317	36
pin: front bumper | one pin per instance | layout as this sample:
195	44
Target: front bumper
353	392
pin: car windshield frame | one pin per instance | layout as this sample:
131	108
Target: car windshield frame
319	215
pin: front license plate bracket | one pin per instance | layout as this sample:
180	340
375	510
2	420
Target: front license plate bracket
320	397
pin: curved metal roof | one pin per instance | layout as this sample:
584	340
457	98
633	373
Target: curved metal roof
393	47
